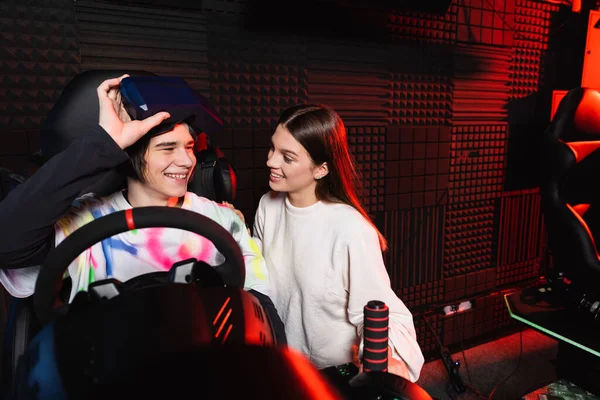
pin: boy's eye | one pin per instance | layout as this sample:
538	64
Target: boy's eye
287	159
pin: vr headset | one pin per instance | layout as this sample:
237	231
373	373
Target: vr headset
144	96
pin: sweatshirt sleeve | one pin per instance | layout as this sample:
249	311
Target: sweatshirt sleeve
366	279
29	212
257	277
259	221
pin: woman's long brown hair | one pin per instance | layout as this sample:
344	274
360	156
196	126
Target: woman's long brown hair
322	133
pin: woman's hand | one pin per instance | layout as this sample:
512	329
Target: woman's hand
238	213
115	120
395	367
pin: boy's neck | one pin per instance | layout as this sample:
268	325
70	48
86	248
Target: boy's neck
139	195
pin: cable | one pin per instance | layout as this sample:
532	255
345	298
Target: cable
455	385
471	386
437	338
503	381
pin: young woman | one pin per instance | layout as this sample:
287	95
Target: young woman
42	212
323	253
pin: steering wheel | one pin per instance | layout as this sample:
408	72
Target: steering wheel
49	282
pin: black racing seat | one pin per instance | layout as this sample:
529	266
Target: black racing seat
76	109
215	177
570	194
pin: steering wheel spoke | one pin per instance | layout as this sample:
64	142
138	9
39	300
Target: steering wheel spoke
199	272
105	289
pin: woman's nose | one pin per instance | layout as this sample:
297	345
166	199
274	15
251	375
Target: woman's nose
271	160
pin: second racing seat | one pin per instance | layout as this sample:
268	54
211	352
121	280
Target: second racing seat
570	195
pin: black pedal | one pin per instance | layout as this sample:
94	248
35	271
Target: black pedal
452	367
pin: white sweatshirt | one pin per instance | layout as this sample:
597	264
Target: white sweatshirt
325	265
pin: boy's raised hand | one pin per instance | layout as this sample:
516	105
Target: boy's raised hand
115	120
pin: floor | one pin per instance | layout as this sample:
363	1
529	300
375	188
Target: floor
499	363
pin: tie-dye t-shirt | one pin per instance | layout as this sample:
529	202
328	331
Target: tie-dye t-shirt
142	251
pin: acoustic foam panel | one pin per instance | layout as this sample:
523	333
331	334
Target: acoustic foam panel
477	156
525	72
519	230
367	146
420	85
253	78
429	331
416	241
480	84
157	40
468	285
423	27
488	314
532	23
39	55
351	78
415	253
247	150
468	237
486	22
417	166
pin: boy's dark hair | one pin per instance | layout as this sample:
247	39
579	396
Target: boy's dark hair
136	166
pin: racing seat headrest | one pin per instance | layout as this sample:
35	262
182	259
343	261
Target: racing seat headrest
76	112
73	115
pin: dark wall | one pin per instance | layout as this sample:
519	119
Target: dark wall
435	104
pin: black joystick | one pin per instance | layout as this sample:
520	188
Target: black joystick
375	343
375	382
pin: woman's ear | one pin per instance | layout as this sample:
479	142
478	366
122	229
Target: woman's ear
321	171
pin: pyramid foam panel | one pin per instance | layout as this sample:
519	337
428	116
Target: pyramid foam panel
423	27
252	80
420	86
532	23
39	56
525	72
468	237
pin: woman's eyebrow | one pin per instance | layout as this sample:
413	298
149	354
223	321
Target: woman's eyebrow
284	150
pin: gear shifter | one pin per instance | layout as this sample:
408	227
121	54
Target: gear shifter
376	326
375	382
